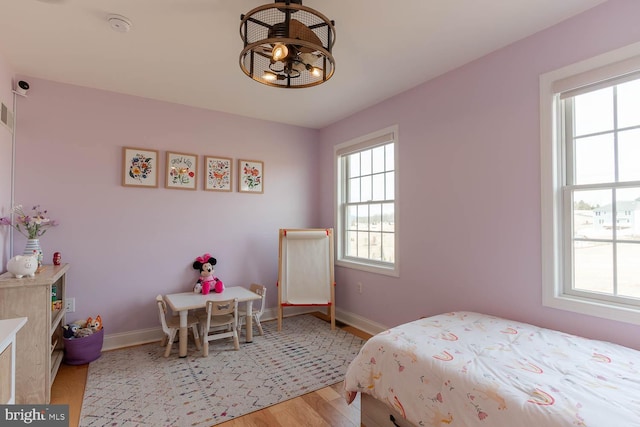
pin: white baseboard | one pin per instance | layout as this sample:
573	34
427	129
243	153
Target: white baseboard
362	323
351	319
145	336
128	339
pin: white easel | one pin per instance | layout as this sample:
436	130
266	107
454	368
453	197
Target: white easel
305	270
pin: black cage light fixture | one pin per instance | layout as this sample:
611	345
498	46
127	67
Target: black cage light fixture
287	45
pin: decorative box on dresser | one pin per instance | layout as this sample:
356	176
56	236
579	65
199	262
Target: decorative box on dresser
39	344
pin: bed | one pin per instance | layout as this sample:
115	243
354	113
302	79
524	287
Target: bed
467	369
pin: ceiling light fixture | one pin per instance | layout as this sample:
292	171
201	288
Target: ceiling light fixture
287	45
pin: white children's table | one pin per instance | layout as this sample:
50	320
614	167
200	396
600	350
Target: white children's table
185	301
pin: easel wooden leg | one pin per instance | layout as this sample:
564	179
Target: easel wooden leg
333	316
332	307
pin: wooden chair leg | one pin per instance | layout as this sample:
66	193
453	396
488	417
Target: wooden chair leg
170	343
196	337
257	319
236	342
205	344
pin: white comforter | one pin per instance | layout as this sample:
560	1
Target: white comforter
466	369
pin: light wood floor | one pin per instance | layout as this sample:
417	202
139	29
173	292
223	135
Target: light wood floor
323	408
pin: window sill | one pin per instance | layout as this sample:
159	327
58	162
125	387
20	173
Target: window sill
611	311
387	271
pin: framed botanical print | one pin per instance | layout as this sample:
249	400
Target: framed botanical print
182	171
218	173
139	167
250	176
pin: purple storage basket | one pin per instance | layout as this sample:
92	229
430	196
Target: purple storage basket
80	351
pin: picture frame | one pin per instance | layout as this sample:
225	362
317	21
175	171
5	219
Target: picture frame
218	175
182	171
250	176
139	167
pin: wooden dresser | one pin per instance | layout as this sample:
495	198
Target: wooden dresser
39	344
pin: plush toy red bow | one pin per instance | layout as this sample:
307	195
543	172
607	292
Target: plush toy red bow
204	258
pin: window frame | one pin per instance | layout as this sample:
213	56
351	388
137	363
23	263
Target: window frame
556	218
363	143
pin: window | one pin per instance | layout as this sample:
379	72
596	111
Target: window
367	204
590	115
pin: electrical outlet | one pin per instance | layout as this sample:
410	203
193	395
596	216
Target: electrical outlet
359	287
70	305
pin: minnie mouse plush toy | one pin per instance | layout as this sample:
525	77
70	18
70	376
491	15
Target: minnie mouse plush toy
207	280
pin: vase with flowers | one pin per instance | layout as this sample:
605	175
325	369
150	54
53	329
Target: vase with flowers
30	225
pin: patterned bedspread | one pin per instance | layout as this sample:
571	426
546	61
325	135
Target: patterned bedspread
466	369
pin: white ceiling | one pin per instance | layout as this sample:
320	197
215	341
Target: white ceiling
186	51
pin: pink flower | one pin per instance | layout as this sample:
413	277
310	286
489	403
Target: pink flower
439	397
33	225
482	415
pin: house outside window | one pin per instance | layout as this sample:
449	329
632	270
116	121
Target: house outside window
367	202
590	146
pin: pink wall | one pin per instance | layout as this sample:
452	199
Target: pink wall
126	245
6	96
470	190
470	184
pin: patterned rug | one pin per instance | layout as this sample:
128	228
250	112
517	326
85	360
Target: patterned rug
137	386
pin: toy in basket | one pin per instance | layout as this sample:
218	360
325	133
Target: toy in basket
83	341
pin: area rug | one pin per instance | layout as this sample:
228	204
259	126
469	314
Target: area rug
137	386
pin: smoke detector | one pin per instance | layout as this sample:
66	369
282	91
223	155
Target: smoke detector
119	23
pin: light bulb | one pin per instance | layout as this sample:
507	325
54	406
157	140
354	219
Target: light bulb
315	71
268	75
279	52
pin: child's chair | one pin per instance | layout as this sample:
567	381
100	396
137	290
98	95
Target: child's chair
170	326
256	312
221	321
